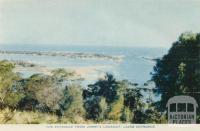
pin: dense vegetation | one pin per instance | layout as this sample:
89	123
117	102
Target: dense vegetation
178	72
55	99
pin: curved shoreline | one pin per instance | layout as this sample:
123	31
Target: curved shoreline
86	73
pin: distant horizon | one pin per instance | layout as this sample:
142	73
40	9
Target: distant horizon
80	45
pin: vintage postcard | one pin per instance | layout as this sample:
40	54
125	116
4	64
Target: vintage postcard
100	64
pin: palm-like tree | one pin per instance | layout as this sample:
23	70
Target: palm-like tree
106	87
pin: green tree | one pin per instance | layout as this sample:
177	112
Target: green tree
10	92
106	87
42	93
94	96
178	72
93	107
71	104
134	102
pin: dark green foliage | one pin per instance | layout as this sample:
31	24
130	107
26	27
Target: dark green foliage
122	100
92	107
138	117
178	72
132	98
104	88
132	101
28	103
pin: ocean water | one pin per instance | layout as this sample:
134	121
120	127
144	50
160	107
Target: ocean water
133	67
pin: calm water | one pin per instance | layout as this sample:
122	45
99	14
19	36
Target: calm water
133	67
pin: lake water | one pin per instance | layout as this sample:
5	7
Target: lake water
133	67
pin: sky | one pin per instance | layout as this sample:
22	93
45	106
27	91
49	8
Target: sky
143	23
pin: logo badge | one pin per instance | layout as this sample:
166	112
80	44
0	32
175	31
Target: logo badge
182	110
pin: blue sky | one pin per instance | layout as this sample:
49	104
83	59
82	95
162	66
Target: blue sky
150	23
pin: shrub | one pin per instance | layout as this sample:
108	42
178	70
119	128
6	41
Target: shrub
10	93
42	93
8	116
71	104
116	109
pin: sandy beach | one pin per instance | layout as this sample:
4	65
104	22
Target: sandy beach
87	73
